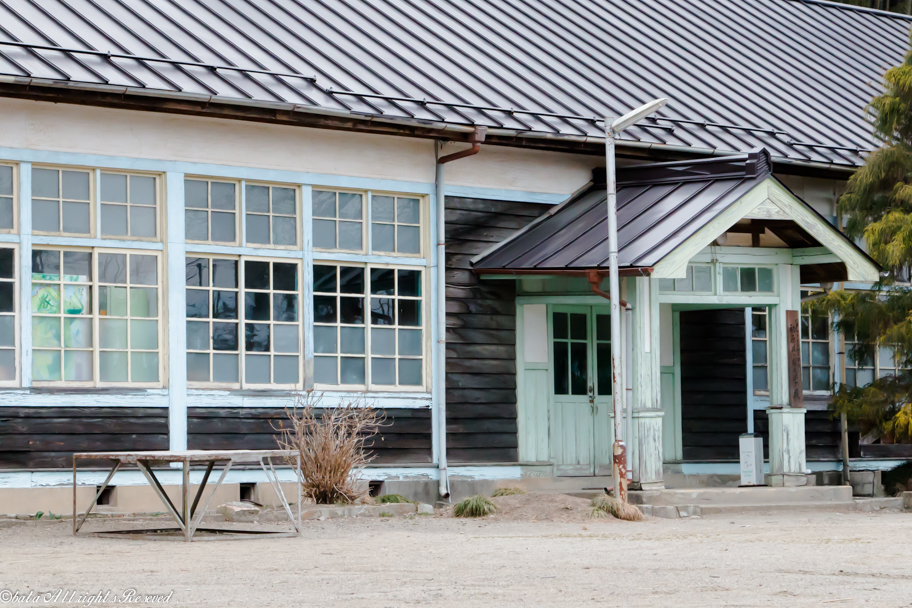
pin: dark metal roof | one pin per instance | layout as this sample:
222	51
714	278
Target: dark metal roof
659	207
789	75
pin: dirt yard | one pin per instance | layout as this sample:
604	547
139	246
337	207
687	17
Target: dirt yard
526	556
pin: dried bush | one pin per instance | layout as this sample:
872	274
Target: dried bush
603	506
331	442
476	506
508	492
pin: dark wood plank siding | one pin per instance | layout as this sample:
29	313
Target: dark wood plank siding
822	436
46	437
713	383
405	438
481	333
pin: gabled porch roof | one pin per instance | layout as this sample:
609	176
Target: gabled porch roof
667	213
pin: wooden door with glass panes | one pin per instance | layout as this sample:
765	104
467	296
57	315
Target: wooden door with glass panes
580	413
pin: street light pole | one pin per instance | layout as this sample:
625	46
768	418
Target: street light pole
619	450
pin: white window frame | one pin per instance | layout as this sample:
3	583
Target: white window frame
680	285
425	336
17	316
270	214
423	214
242	320
810	341
738	268
364	220
760	311
95	285
159	206
15	197
92	202
238	211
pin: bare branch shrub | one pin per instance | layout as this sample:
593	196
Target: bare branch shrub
331	442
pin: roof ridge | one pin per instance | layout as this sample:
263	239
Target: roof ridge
855	8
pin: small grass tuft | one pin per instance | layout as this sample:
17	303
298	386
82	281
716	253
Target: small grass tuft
508	492
476	506
386	514
391	499
603	506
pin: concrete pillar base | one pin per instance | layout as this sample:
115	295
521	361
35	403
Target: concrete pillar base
787	454
786	481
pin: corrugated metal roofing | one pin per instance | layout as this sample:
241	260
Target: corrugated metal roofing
789	75
659	207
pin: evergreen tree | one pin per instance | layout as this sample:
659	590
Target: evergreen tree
878	207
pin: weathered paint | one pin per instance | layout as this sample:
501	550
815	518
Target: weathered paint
25	273
307	255
176	349
647	442
787	455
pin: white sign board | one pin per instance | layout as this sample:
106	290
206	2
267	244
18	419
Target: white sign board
752	470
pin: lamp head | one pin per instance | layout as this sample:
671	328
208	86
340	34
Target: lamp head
636	115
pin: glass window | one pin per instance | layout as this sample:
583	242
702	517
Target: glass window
271	215
338	220
859	369
210	213
747	279
760	349
61	201
6	198
395	224
368	326
96	317
129	205
887	363
697	280
8	315
815	353
243	306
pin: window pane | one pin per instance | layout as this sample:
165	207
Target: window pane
143	302
223	227
805	353
561	368
46	332
6	214
46	365
324	278
758	329
382	312
77	333
257	199
197	367
351	370
112	366
77	266
77	365
748	279
603	328
256	336
256	275
45	184
325	309
410	372
144	335
284	276
685	284
196	225
410	342
258	229
759	352
142	221
144	367
197	335
351	280
142	190
325	339
325	371
7	365
143	269
112	301
805	327
820	353
225	336
285	339
6	297
409	239
352	340
324	203
820	378
7	330
806	378
76	185
349	235
819	328
765	280
350	206
561	323
886	356
224	273
577	326
283	201
6	180
383	237
113	333
324	234
351	310
45	216
224	368
579	370
7	265
864	377
256	369
197	272
383	341
76	217
112	267
285	369
761	379
407	211
729	279
383	371
113	188
224	304
410	283
283	231
383	209
256	306
114	220
196	194
383	282
702	278
46	299
223	196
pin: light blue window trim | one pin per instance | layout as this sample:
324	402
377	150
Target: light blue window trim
370	227
9	238
177	312
243	187
25	273
307	311
70	241
97	203
371	259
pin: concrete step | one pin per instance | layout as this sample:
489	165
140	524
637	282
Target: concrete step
743	496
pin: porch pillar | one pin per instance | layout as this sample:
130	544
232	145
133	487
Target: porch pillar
787	453
646	443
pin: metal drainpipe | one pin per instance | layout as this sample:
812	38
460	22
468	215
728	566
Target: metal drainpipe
476	138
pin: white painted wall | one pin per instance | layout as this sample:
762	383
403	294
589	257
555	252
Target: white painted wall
71	128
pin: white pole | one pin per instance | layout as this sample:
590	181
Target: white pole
440	385
618	470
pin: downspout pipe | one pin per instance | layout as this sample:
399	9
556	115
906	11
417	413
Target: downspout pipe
476	139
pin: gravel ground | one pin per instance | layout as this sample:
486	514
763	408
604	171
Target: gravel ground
781	559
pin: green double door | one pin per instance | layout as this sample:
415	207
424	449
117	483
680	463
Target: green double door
580	413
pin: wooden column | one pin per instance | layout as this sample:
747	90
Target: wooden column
646	445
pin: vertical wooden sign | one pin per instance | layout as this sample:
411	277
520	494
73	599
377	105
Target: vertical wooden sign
793	331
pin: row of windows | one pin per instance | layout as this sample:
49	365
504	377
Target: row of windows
96	320
815	356
63	203
735	279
